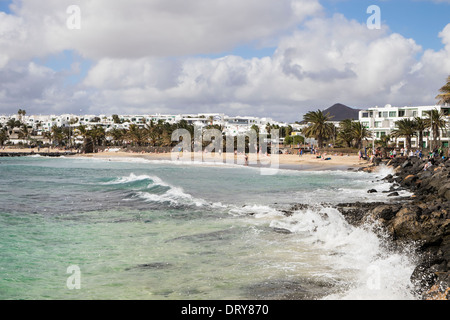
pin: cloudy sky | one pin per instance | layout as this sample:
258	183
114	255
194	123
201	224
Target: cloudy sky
276	58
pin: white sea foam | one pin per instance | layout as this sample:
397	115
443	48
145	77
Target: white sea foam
257	211
357	258
372	271
133	178
173	195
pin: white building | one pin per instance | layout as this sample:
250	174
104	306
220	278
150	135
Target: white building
381	122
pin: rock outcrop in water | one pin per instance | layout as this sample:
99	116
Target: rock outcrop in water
423	218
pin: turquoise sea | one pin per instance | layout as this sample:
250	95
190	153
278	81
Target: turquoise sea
74	228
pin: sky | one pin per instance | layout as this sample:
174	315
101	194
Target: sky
265	58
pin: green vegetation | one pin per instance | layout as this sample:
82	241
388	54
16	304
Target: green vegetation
319	126
435	121
406	128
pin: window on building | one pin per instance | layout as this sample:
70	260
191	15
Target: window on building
401	113
378	124
365	115
393	114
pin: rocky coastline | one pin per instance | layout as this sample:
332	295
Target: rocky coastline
419	222
422	219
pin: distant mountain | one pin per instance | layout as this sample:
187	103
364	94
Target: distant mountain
341	112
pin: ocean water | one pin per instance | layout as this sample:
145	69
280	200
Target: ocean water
139	229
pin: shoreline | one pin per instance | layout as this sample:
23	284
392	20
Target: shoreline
422	220
306	162
282	161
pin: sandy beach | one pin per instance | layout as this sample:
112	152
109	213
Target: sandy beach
286	161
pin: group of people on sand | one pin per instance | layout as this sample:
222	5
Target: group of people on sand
323	156
435	153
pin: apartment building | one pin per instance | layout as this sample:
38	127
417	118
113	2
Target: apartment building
381	121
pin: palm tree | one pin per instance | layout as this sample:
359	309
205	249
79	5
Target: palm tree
268	128
288	130
82	131
406	128
3	135
57	135
117	135
87	140
136	134
444	97
420	128
166	138
166	134
436	122
384	141
360	133
21	113
12	123
24	134
345	133
152	132
319	126
97	133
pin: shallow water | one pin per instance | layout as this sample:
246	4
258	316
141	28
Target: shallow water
138	229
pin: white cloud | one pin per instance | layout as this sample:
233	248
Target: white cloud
327	61
141	28
324	61
38	89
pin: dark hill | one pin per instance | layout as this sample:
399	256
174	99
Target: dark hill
341	112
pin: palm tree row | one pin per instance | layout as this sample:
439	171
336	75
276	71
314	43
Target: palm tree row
352	134
152	134
349	133
408	128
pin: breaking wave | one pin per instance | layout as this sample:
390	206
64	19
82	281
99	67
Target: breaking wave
153	189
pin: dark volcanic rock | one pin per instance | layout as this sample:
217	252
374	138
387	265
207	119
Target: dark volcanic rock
424	219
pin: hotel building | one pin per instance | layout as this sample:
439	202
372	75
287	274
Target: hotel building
381	121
